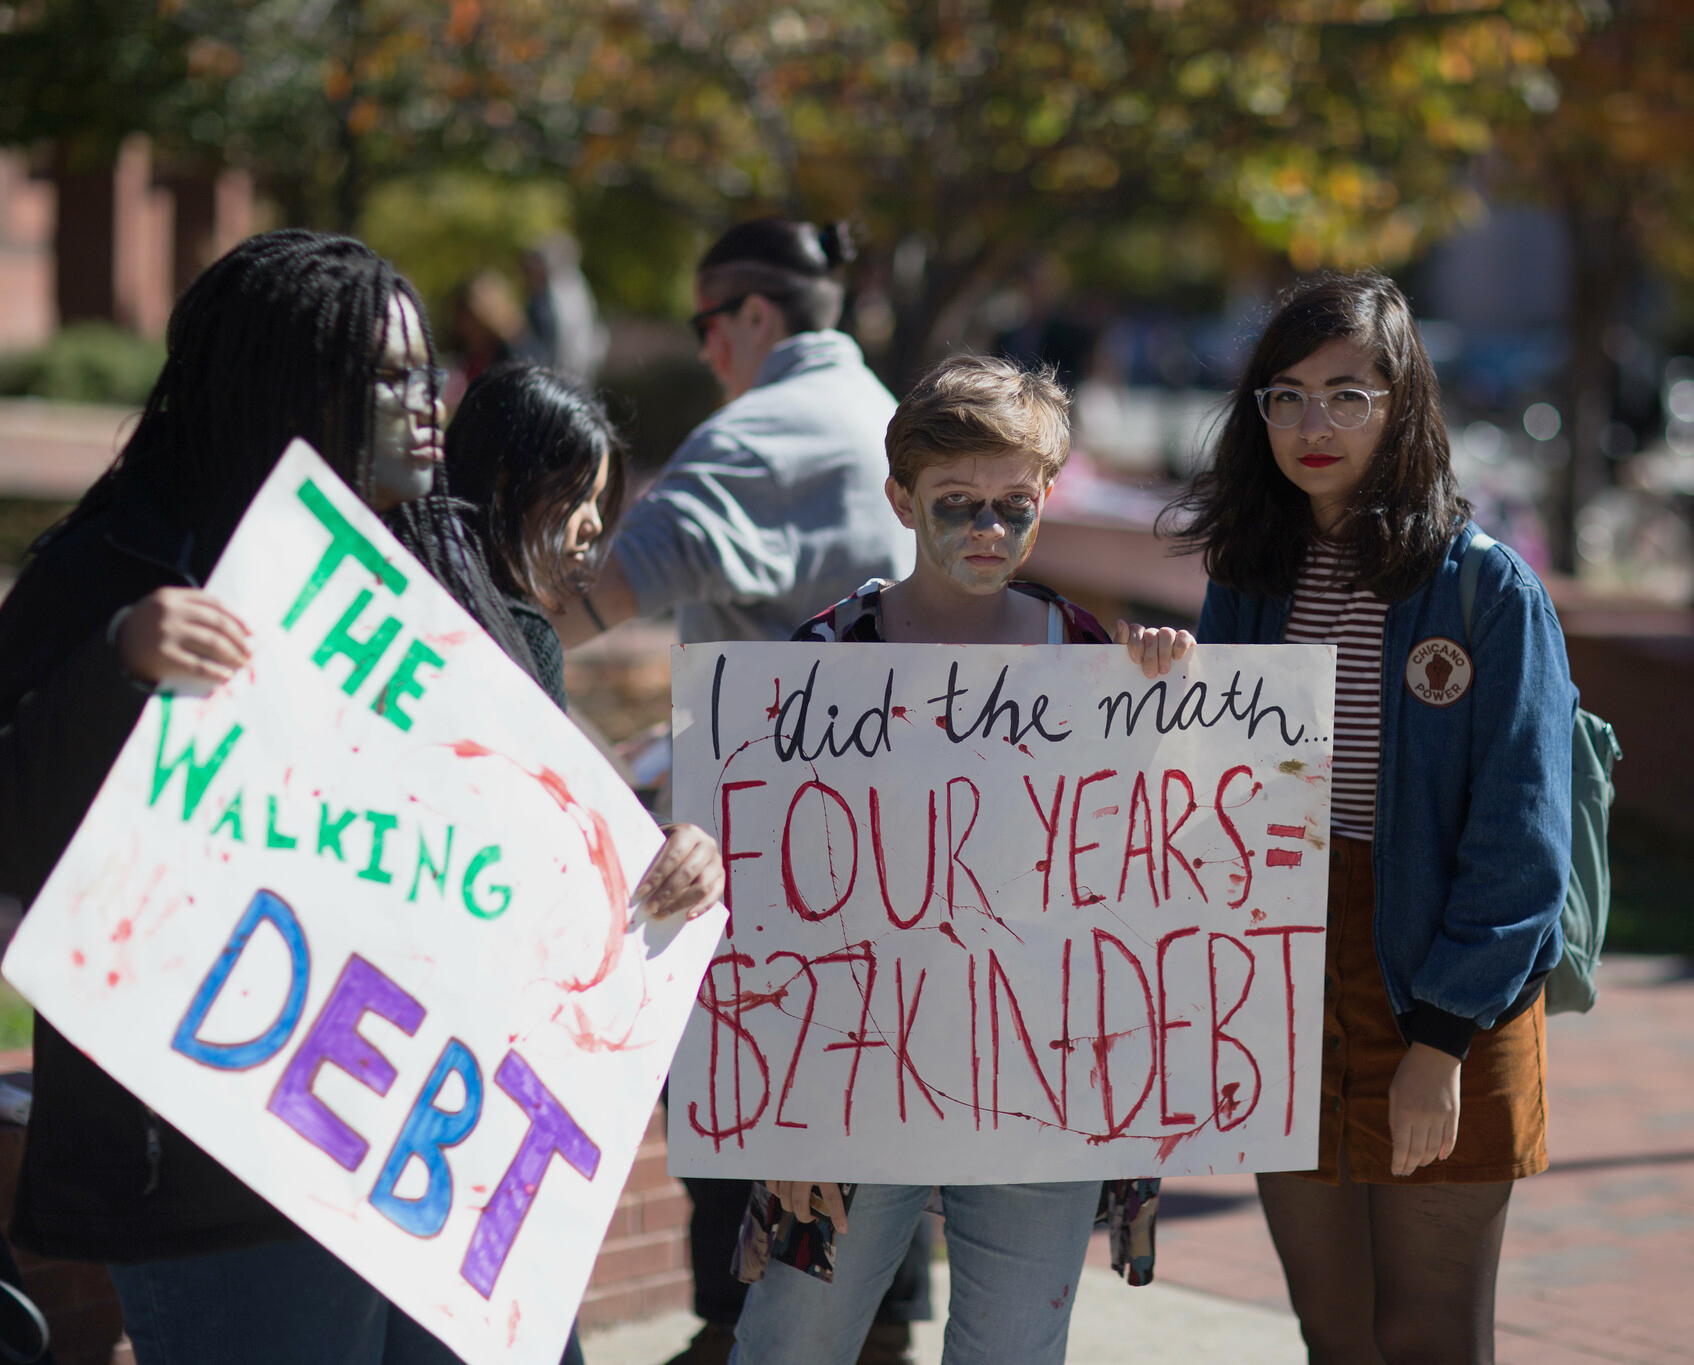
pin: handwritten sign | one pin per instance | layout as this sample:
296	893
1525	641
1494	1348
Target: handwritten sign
358	924
1005	914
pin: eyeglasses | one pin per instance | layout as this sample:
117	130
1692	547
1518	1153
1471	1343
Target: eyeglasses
1345	408
699	320
416	386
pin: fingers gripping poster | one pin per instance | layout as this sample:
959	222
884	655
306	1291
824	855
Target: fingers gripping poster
358	924
1005	914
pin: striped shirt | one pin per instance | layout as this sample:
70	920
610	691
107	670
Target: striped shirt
1327	612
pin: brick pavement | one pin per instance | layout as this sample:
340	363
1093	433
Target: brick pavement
1599	1254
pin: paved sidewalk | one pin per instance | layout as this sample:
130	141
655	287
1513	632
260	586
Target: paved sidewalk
1111	1325
1599	1255
1599	1252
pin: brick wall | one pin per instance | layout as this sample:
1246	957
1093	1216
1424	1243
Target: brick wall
643	1266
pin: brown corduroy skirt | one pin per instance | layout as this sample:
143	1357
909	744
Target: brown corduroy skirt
1502	1083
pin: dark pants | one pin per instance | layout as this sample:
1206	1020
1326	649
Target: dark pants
279	1304
712	1232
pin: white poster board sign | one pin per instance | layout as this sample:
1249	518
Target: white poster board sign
358	924
1005	913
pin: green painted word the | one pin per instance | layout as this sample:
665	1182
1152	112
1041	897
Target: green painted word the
362	648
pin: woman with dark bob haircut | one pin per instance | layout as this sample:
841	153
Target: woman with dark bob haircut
541	473
538	475
1329	515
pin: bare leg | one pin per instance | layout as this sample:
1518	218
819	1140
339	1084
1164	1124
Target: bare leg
1436	1252
1323	1237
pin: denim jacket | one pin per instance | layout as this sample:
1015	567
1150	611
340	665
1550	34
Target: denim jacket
1472	845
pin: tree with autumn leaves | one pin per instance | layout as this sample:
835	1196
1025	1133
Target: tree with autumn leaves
965	136
971	131
1611	149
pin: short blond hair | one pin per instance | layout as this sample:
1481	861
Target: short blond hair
980	405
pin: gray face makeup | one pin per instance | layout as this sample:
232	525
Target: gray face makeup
955	530
405	444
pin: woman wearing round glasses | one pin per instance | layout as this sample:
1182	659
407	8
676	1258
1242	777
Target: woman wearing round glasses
1330	515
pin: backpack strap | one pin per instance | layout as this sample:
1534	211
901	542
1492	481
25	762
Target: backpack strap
1469	567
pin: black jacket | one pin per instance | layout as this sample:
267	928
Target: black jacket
103	1178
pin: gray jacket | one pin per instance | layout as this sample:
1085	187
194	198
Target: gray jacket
773	507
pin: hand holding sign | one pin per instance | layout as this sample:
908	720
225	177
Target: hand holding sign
366	938
1006	913
181	633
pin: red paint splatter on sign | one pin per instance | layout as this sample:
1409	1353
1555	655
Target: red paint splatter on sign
1167	1145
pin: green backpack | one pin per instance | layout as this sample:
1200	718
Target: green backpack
1588	899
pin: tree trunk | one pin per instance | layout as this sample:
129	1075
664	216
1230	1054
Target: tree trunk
1601	258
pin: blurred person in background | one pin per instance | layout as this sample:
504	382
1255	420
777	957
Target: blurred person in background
485	325
565	330
292	334
772	505
539	475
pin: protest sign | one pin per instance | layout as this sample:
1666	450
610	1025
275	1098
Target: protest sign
1005	913
358	923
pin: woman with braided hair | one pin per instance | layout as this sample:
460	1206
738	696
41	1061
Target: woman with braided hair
292	334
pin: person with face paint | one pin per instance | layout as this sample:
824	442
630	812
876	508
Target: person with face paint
292	333
972	454
1330	514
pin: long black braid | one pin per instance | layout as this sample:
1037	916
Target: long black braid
276	340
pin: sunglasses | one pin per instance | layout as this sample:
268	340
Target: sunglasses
699	320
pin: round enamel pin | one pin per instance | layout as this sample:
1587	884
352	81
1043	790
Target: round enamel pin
1438	671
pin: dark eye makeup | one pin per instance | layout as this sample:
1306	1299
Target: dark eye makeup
1016	513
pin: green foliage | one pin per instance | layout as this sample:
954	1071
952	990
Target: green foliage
86	71
87	362
17	1020
442	228
638	252
968	135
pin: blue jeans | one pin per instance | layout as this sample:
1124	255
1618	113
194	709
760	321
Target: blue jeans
1014	1253
280	1304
